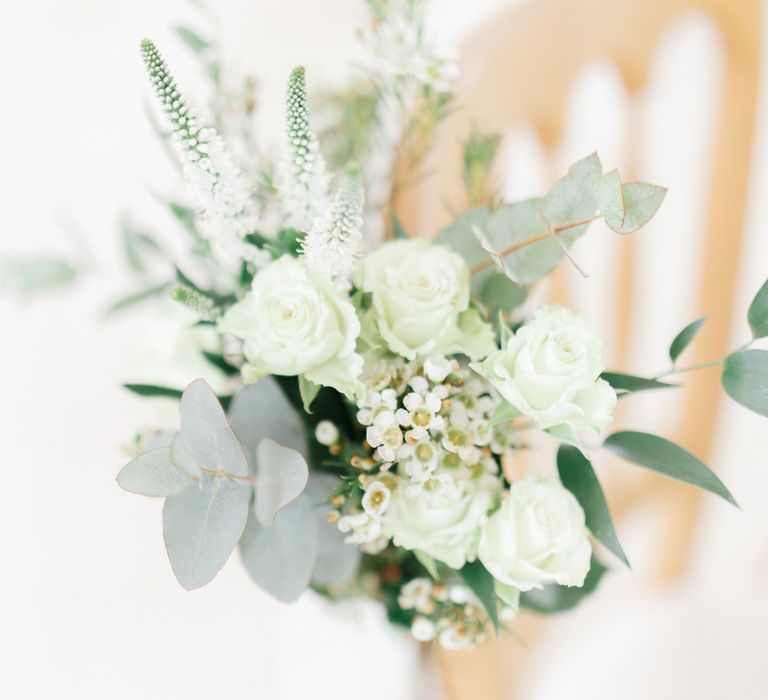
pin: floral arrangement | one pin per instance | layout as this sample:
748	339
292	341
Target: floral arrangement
386	389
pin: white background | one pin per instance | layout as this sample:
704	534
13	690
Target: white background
88	605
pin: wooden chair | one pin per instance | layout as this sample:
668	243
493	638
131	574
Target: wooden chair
518	69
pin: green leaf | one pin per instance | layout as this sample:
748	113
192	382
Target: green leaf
556	599
398	232
665	457
684	337
220	362
281	475
626	207
29	276
480	582
281	558
500	295
757	315
192	39
309	391
578	476
428	562
571	198
631	383
152	390
745	379
153	474
201	527
136	298
503	413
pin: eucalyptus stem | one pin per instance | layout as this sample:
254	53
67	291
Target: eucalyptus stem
532	239
690	368
229	475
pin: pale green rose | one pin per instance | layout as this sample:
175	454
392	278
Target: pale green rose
549	370
293	323
420	298
446	528
538	536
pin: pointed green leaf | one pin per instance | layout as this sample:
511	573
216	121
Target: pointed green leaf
192	39
309	391
757	315
503	413
220	362
201	526
480	582
136	298
745	379
152	390
555	599
578	476
665	457
428	562
281	476
630	383
153	474
281	558
684	337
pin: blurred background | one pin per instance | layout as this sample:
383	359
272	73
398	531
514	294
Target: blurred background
88	605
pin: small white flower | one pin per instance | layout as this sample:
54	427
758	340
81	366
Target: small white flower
376	498
363	528
437	368
423	629
326	433
415	595
456	637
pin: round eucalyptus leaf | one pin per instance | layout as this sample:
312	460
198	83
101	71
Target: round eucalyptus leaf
281	476
153	474
757	315
745	379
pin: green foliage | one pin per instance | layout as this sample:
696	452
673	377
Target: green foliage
757	315
570	199
192	39
479	151
629	206
480	582
555	599
220	363
503	413
202	525
684	338
135	298
29	276
578	476
309	391
745	379
281	558
206	307
281	475
630	383
428	562
153	474
152	390
665	457
136	245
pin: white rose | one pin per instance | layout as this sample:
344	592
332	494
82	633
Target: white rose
446	528
293	323
420	297
538	536
550	371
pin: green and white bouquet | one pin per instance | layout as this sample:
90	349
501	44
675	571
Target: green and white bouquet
385	390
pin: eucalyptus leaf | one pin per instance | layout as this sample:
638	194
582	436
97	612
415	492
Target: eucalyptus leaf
757	314
261	410
281	558
745	379
684	337
500	295
205	433
665	457
337	562
578	476
281	476
571	198
479	580
202	525
629	206
630	383
555	599
153	474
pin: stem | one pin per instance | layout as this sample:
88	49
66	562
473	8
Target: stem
532	239
689	368
229	475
